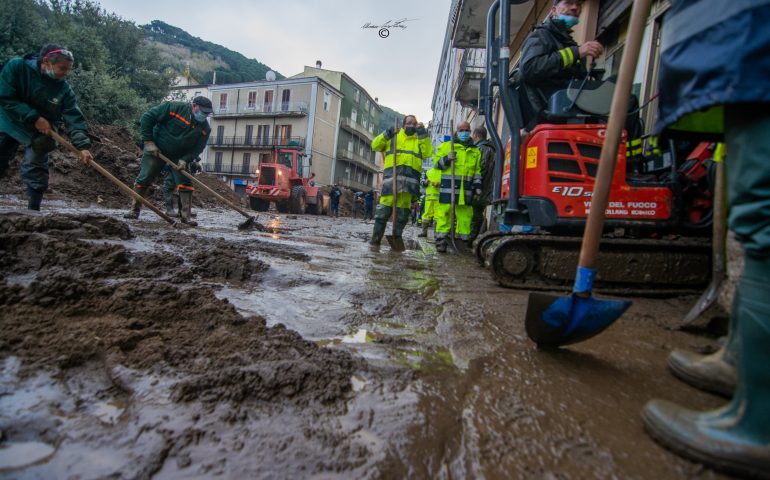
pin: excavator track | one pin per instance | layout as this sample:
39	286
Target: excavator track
646	267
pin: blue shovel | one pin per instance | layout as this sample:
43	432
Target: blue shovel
555	321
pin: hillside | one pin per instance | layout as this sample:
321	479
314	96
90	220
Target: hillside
179	49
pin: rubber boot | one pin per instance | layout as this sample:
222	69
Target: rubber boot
441	244
168	200
713	373
424	232
136	206
34	199
736	438
185	198
402	218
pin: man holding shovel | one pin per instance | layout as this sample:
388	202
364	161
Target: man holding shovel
34	94
412	146
465	167
179	131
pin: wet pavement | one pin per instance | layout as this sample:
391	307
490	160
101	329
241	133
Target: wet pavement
405	365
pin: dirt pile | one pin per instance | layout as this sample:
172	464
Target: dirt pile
114	149
71	293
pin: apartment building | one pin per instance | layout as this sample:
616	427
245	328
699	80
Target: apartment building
253	120
355	164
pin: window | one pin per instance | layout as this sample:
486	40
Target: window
371	128
252	100
249	134
223	101
268	104
263	135
353	115
220	134
264	158
284	132
246	163
218	161
285	97
327	100
356	95
367	105
350	145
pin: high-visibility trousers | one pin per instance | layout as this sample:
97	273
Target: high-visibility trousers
429	213
463	217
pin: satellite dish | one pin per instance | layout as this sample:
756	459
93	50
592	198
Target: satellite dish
270	76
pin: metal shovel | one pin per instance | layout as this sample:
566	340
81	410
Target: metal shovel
396	243
92	163
250	219
555	321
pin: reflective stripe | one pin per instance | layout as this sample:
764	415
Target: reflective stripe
418	154
564	58
571	55
173	114
692	20
185	187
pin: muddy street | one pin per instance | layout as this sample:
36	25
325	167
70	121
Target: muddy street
134	350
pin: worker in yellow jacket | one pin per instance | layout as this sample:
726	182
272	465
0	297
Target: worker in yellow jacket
432	183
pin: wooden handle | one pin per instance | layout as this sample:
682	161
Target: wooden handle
203	185
113	179
609	155
395	176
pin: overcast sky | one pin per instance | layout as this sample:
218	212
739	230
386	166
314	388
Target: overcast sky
286	35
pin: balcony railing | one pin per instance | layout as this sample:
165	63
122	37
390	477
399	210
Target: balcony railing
241	169
472	70
256	142
348	123
348	155
282	108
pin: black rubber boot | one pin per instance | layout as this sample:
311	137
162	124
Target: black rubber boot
34	199
441	244
168	200
424	232
136	206
185	198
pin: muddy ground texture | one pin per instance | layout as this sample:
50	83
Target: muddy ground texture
131	349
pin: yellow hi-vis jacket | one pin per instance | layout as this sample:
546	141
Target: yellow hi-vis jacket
410	151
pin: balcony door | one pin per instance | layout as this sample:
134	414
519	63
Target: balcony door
249	134
268	104
263	135
285	100
220	134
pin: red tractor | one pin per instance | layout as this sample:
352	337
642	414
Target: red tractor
287	181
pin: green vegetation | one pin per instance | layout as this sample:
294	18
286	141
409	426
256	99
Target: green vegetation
387	117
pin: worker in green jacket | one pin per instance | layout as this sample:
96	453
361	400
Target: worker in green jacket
34	97
467	185
179	131
412	146
432	183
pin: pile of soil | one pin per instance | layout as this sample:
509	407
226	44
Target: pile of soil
346	201
70	292
115	150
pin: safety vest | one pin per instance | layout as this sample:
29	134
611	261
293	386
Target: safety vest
434	177
410	151
467	172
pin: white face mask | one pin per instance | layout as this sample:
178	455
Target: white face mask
200	116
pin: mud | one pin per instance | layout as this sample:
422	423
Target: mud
130	349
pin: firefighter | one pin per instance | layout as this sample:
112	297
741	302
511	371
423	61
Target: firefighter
714	81
179	131
467	183
487	151
34	95
431	183
412	145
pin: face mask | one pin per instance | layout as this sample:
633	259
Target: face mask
200	116
52	75
410	130
463	136
567	20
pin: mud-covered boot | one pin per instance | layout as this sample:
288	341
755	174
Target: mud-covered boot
424	232
441	244
136	206
402	218
734	438
185	198
34	199
713	373
168	200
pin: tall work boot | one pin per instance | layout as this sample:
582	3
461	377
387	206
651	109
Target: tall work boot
424	232
734	438
185	198
381	215
34	199
136	206
714	373
442	242
402	218
168	200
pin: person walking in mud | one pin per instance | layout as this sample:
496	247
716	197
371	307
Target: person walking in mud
714	82
412	146
369	205
178	130
467	185
34	98
334	196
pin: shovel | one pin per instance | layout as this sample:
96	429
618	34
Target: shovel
453	197
396	243
555	321
242	226
718	246
110	177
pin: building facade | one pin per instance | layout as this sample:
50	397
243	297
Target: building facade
251	121
354	164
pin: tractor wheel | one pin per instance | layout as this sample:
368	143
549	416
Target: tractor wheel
319	204
258	204
298	200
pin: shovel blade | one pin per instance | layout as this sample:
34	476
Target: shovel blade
247	224
554	321
396	243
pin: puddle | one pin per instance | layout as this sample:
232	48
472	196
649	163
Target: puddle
15	455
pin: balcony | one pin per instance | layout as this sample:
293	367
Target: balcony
256	142
282	109
353	127
472	70
367	163
238	169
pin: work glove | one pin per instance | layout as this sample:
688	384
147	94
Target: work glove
390	133
421	131
181	165
150	147
452	156
86	156
195	167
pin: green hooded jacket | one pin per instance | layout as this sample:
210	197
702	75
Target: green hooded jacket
27	94
175	131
